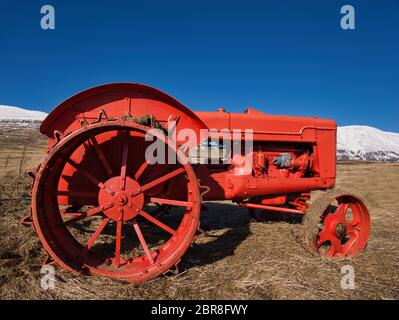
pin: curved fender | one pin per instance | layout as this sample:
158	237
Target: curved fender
117	100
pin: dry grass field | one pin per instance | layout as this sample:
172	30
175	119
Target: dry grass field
237	259
20	148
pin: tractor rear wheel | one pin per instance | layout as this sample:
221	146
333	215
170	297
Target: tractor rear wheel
337	225
101	171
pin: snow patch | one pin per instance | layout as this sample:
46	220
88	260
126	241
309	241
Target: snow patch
367	143
8	113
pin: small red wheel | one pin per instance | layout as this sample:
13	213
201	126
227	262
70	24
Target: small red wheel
101	172
337	225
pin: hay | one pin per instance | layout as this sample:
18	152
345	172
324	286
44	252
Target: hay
238	259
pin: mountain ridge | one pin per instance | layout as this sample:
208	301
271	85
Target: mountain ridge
354	142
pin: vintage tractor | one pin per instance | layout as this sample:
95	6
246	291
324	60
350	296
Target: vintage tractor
101	207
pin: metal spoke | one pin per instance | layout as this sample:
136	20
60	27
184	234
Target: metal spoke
65	213
141	170
172	202
157	222
73	194
118	240
324	236
167	176
76	219
125	144
341	211
349	244
89	213
101	156
84	172
335	246
95	235
142	241
89	176
356	218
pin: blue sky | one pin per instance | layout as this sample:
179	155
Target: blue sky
281	57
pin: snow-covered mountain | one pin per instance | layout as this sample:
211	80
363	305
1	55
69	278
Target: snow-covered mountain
20	117
367	143
353	142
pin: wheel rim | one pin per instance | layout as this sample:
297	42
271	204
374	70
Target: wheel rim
118	198
344	228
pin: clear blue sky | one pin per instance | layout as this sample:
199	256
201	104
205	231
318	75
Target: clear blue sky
281	57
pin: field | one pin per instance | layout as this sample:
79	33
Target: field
237	259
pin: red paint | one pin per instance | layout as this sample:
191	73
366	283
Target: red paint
96	159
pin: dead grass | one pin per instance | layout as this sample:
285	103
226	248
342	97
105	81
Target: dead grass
20	149
238	259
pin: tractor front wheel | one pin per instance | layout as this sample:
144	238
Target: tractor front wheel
337	225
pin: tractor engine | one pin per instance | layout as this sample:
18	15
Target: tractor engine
287	156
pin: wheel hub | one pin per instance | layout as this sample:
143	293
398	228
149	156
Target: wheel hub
340	230
125	207
122	200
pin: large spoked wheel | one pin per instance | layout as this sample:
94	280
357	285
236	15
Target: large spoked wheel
337	225
93	203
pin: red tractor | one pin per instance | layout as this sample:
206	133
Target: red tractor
99	205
